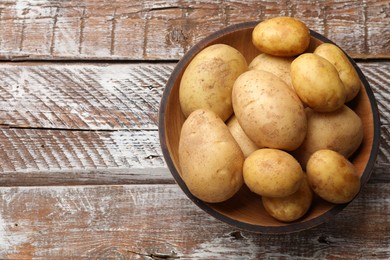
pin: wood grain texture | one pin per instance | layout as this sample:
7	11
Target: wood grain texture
148	222
101	96
149	30
53	157
71	123
57	157
81	96
92	122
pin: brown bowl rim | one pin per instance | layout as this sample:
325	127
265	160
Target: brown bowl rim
289	228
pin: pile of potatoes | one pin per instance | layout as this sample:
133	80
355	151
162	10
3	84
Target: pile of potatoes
279	125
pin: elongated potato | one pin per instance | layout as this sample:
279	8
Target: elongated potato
347	72
340	131
280	66
208	80
281	36
268	110
246	144
210	159
317	83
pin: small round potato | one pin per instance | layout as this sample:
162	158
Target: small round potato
280	66
317	83
347	72
210	159
340	131
292	207
281	36
332	177
272	173
208	80
246	144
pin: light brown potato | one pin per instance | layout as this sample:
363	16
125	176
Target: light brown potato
292	207
208	80
272	173
268	110
281	36
341	131
246	144
210	159
280	66
317	83
347	72
332	177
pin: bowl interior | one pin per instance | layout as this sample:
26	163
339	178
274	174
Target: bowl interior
245	209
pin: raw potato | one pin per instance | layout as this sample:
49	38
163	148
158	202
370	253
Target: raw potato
208	80
281	36
246	144
341	131
317	83
268	110
292	207
280	66
347	72
272	173
210	159
332	177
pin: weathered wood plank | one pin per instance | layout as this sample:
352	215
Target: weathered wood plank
40	103
61	157
120	29
52	157
148	221
108	96
81	96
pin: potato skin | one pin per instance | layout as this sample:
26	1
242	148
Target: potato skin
208	80
340	131
292	207
347	72
272	173
268	110
280	66
246	144
332	177
210	159
281	36
317	83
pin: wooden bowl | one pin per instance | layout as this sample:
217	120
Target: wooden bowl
245	210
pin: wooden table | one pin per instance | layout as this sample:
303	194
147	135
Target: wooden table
81	170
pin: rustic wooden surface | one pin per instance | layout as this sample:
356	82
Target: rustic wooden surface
81	170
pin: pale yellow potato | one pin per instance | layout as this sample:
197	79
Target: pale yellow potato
246	144
332	177
268	110
210	159
341	131
280	66
347	72
317	83
272	173
292	207
208	80
281	36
